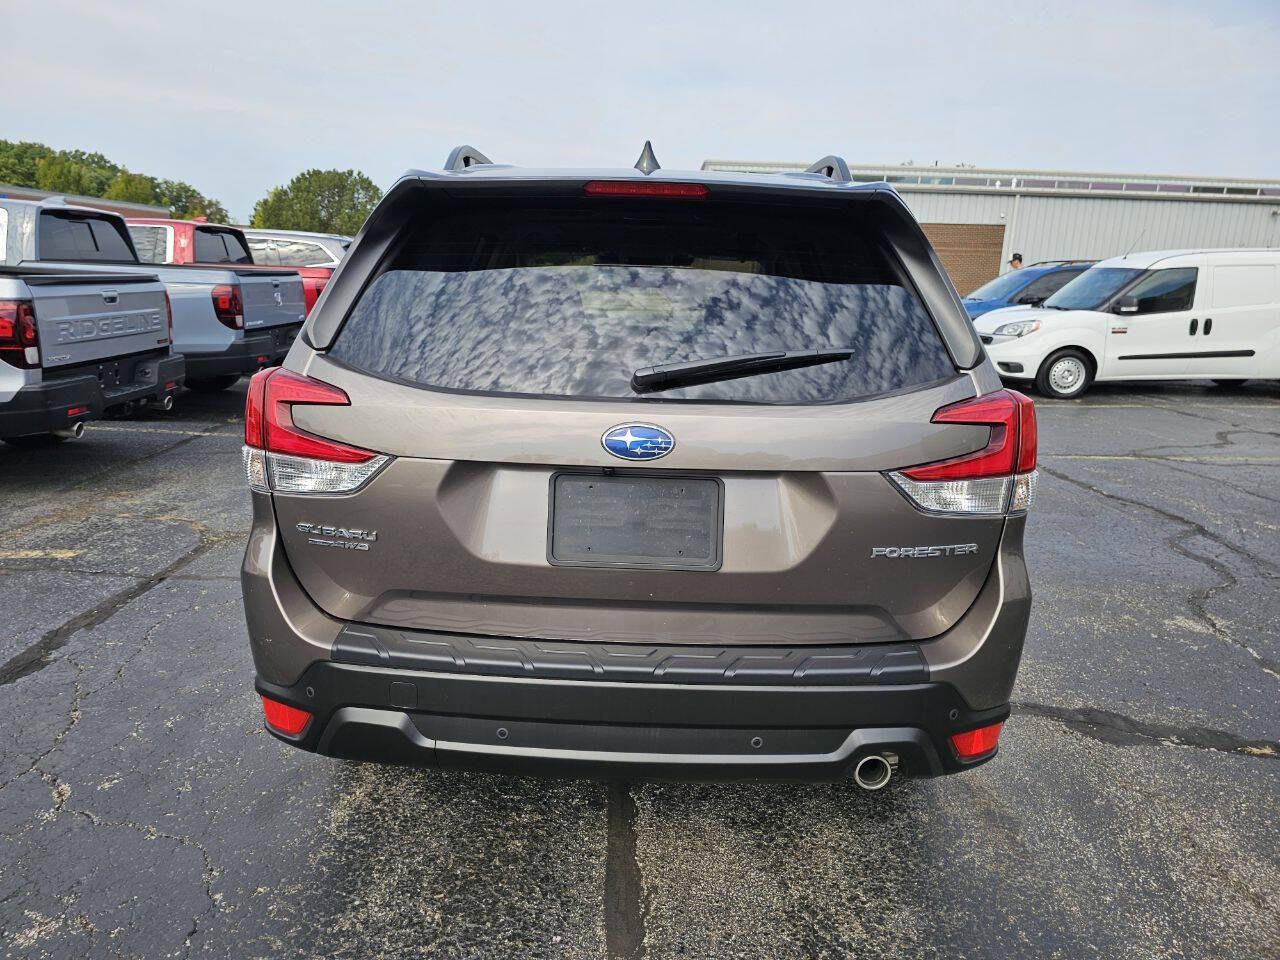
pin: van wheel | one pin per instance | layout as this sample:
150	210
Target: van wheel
211	384
1065	374
35	440
1230	384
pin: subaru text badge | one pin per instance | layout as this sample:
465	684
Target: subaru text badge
638	441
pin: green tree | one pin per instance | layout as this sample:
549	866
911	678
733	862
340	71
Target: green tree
57	174
187	202
26	164
18	162
131	188
327	201
74	171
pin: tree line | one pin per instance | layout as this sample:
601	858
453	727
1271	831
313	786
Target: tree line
328	201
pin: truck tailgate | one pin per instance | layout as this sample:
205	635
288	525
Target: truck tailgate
86	317
271	298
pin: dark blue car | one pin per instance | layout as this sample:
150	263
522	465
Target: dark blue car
1026	287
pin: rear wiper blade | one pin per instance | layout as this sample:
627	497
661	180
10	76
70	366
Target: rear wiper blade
693	372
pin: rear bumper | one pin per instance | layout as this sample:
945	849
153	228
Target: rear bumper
660	731
583	709
255	350
42	408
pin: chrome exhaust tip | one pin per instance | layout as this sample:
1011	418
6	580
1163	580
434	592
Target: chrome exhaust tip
873	771
73	432
166	404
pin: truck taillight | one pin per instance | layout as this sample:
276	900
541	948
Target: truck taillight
313	288
168	312
1000	478
280	457
228	306
19	338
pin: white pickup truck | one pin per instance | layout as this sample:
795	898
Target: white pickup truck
227	322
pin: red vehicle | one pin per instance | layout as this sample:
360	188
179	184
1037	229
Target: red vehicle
198	241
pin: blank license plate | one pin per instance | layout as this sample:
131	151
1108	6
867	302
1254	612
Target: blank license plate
631	521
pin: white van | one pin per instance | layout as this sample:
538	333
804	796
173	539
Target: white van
1167	315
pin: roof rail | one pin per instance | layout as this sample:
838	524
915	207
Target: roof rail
833	168
465	156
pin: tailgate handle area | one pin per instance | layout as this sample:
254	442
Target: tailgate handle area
111	296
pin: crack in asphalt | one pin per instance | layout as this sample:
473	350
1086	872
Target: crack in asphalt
1119	730
1221	482
82	572
152	832
39	654
1198	603
623	886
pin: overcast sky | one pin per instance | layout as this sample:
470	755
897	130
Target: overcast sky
237	97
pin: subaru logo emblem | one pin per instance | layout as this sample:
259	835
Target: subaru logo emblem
638	441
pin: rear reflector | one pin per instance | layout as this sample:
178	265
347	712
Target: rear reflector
999	478
640	188
976	743
283	718
76	411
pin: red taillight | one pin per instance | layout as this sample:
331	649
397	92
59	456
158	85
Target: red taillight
975	743
1010	449
312	288
19	339
168	310
283	718
228	306
1026	433
77	411
253	403
642	188
268	417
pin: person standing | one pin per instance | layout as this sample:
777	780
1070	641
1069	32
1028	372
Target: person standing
1015	262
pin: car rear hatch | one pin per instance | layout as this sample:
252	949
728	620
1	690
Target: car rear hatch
84	318
271	298
531	489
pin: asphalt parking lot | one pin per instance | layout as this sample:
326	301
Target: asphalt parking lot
1132	812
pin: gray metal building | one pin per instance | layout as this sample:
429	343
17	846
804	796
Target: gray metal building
1056	215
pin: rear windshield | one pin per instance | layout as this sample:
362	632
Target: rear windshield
567	298
218	246
301	253
151	243
66	236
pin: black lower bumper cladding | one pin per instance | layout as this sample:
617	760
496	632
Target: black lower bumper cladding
245	356
579	727
62	401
